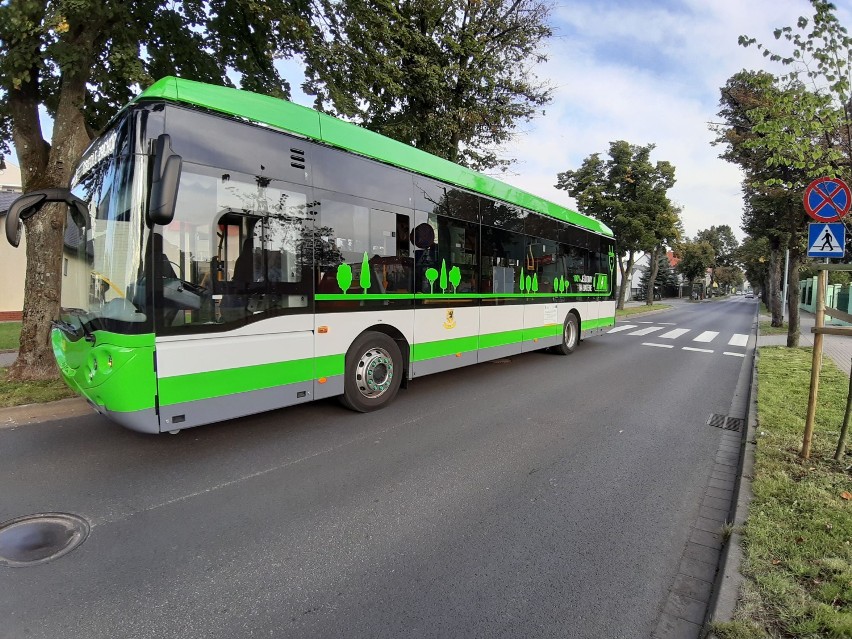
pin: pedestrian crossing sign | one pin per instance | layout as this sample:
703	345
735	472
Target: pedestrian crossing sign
826	240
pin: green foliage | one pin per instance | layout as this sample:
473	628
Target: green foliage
695	258
364	281
450	77
344	277
107	49
627	192
665	274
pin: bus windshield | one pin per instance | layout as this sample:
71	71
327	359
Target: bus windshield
103	286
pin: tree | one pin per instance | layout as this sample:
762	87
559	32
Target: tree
666	277
628	194
451	77
807	128
724	244
753	104
695	258
81	61
753	254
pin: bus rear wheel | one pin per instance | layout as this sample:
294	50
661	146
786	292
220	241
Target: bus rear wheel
373	372
570	336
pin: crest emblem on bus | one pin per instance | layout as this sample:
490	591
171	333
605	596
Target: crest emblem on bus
451	320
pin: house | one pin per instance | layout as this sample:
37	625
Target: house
13	261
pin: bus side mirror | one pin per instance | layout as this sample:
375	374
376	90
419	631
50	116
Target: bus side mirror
164	185
30	203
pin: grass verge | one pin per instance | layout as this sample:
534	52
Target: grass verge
766	328
798	537
10	336
634	310
18	393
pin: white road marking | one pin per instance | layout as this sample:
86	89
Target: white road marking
706	336
674	334
668	323
738	340
698	350
638	322
734	354
621	328
646	331
657	345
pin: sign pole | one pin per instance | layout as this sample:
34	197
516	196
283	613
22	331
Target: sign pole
816	364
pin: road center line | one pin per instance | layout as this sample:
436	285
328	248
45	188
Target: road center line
698	350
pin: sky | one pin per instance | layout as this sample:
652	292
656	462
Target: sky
645	72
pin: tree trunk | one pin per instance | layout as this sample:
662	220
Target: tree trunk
793	293
622	288
653	268
775	276
44	166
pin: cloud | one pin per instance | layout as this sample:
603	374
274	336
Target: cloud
624	71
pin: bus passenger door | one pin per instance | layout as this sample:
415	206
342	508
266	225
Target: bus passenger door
235	314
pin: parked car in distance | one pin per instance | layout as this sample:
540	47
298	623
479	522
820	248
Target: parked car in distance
750	295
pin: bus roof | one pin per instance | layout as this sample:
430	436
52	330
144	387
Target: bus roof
286	116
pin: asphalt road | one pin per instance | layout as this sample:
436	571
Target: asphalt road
540	496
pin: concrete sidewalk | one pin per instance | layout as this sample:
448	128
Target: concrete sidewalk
836	347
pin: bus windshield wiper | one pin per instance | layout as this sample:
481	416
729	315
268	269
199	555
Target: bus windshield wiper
81	316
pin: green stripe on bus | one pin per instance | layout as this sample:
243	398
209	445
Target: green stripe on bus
598	323
338	297
195	386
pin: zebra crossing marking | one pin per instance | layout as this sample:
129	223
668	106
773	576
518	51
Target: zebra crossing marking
647	331
674	334
734	354
626	327
657	345
706	336
698	350
738	340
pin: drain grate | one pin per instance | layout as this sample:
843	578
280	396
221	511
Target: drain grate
36	539
723	421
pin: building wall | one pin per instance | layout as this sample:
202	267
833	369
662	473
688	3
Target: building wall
13	261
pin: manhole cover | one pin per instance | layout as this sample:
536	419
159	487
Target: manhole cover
36	539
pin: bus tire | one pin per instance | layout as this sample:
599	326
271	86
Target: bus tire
570	336
373	374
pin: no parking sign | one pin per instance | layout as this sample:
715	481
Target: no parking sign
827	199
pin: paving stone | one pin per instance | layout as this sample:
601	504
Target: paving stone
705	538
722	516
692	587
670	627
686	608
697	569
717	502
709	525
720	493
724	484
701	553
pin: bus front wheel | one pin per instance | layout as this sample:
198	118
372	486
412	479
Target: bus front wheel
373	372
570	335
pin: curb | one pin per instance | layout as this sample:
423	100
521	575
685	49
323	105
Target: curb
39	413
729	579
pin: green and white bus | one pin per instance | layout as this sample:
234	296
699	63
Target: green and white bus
228	253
